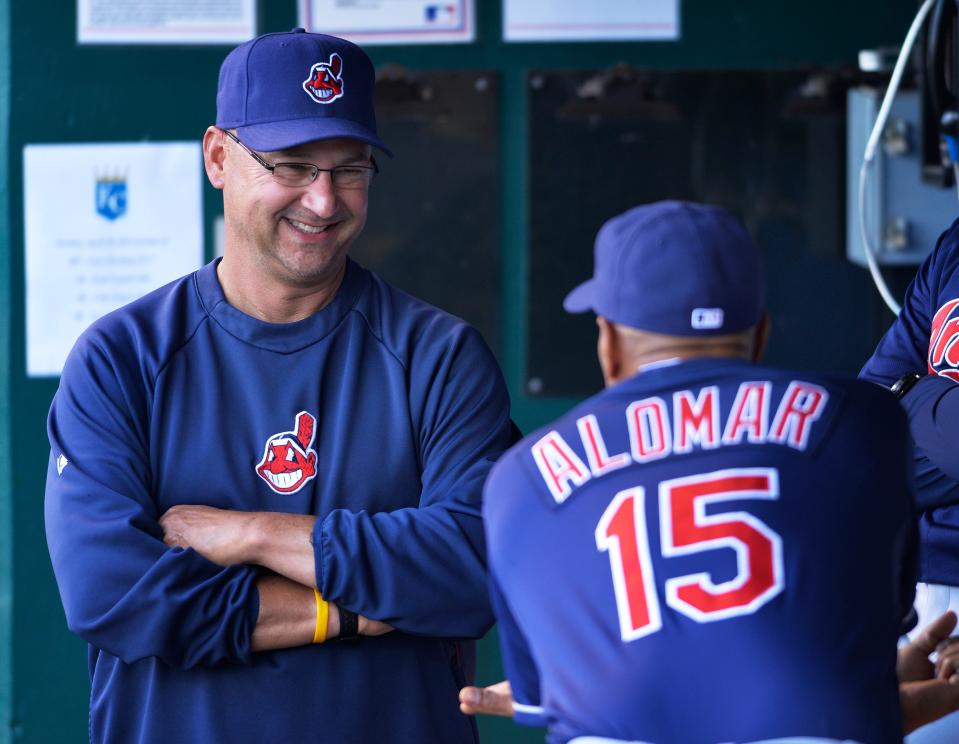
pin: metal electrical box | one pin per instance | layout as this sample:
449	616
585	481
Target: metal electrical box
904	216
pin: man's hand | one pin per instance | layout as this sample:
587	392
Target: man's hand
495	700
219	535
947	664
913	663
929	691
278	541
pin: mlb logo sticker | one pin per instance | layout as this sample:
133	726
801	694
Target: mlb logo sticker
111	198
325	82
707	318
289	460
444	13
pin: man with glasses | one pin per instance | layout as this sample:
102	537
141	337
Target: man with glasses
257	464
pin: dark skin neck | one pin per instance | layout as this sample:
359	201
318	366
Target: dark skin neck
623	350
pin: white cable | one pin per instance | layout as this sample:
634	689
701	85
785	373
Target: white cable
877	277
873	143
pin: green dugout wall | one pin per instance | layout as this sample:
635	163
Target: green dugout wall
539	143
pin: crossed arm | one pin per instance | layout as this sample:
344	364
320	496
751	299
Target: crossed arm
125	590
277	541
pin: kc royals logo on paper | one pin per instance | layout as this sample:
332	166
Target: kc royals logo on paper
289	460
944	341
111	197
325	83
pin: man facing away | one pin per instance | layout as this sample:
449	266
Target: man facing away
709	550
276	453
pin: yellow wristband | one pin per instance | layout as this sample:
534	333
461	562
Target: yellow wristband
322	617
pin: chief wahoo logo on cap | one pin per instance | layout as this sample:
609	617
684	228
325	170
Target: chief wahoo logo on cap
325	83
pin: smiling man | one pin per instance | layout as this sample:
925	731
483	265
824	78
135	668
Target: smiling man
263	501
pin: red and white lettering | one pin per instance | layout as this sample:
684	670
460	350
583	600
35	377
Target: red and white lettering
685	528
696	421
749	415
559	466
943	335
649	437
801	405
600	462
622	533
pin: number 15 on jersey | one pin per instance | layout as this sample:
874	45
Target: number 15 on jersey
686	529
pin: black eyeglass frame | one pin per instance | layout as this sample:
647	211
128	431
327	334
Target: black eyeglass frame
316	169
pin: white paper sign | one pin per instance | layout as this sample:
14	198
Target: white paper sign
391	21
590	20
165	21
105	224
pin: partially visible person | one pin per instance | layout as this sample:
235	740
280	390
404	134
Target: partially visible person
709	550
918	358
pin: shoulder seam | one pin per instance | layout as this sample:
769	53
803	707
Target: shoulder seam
378	337
205	317
178	349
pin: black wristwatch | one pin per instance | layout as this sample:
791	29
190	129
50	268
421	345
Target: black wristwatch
904	384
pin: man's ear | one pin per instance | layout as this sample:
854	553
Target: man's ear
609	350
761	337
214	155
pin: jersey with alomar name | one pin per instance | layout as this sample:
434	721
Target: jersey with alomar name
380	414
707	552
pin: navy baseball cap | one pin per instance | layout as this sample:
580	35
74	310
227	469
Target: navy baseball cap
285	89
675	268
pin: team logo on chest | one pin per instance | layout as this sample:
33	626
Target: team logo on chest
289	460
325	83
944	341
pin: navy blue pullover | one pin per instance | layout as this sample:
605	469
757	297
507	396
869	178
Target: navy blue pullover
179	398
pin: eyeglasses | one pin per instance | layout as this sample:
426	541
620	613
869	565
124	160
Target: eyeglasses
303	174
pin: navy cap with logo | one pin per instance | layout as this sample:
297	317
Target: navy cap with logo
285	89
674	268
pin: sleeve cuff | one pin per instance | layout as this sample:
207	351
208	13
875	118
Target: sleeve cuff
528	715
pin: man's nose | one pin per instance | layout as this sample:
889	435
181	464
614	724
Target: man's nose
320	196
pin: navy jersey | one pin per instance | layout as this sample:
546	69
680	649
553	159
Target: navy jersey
923	339
708	552
380	414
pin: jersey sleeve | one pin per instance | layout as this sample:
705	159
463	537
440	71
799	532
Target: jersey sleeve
423	569
508	495
933	409
124	591
518	663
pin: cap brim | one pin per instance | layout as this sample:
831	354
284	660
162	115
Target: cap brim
581	299
282	135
